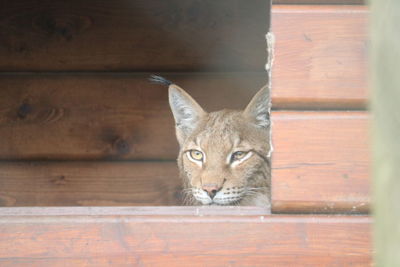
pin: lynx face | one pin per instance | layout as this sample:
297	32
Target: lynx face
224	160
224	155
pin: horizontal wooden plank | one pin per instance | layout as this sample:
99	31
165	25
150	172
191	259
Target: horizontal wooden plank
318	166
92	240
89	184
185	260
230	211
105	116
93	35
115	116
320	56
320	162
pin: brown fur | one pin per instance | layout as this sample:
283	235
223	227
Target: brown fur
218	135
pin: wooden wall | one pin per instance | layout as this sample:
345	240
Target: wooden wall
138	35
81	124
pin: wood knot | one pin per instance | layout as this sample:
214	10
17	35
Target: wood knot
24	110
121	146
59	180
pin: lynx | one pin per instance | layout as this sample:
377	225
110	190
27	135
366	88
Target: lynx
224	156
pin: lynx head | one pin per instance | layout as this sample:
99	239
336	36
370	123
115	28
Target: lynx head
224	155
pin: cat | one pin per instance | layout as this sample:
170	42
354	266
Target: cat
224	156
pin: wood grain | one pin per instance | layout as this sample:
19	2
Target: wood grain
320	162
116	116
127	240
93	35
89	184
320	56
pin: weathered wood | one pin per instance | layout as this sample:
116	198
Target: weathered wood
320	50
385	58
93	239
93	35
89	184
320	162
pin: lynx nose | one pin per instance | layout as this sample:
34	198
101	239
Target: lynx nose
211	189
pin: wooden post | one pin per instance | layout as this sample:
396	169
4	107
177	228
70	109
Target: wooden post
385	56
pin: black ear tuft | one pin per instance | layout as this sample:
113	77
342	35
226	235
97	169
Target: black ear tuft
160	80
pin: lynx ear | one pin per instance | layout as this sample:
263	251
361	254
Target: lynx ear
258	110
187	113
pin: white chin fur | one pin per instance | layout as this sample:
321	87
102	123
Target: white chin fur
202	197
219	199
206	202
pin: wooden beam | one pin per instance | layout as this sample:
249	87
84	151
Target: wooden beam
320	56
320	162
93	239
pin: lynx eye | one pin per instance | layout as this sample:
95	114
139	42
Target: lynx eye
238	155
196	155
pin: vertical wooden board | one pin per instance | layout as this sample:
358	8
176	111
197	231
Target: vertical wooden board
320	162
320	52
101	35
